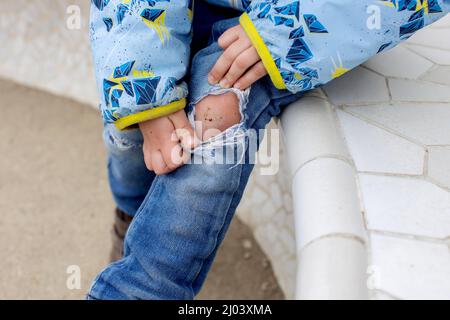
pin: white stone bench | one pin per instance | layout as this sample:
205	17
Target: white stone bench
369	174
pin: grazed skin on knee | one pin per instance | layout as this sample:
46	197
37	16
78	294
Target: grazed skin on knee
215	114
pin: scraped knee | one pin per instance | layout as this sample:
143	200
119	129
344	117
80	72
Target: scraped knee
215	114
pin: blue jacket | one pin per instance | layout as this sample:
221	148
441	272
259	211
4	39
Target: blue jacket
141	47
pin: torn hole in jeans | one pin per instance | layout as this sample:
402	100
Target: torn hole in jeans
228	145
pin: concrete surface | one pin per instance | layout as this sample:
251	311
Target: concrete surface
56	207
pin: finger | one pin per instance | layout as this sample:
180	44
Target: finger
183	130
158	163
224	62
147	157
172	154
242	63
228	37
186	156
251	76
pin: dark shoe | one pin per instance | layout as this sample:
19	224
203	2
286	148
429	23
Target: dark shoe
121	223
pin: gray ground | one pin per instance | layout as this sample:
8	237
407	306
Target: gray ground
56	210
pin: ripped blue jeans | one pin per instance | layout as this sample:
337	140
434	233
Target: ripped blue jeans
181	218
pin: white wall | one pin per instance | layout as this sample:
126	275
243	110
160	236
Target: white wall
39	50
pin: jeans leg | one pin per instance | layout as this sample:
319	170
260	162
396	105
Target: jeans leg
264	102
175	231
129	179
175	234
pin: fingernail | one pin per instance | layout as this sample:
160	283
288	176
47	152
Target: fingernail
211	79
237	86
224	83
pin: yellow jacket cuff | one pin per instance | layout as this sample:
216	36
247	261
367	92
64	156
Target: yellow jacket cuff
263	51
150	114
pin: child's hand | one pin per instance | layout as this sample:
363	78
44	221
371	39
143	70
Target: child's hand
240	65
166	141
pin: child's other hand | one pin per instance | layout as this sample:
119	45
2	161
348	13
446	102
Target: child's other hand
240	65
167	142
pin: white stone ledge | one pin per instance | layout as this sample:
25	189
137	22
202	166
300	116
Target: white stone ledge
326	201
332	268
330	233
393	116
309	124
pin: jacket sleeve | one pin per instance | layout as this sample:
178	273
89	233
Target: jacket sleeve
304	44
141	54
